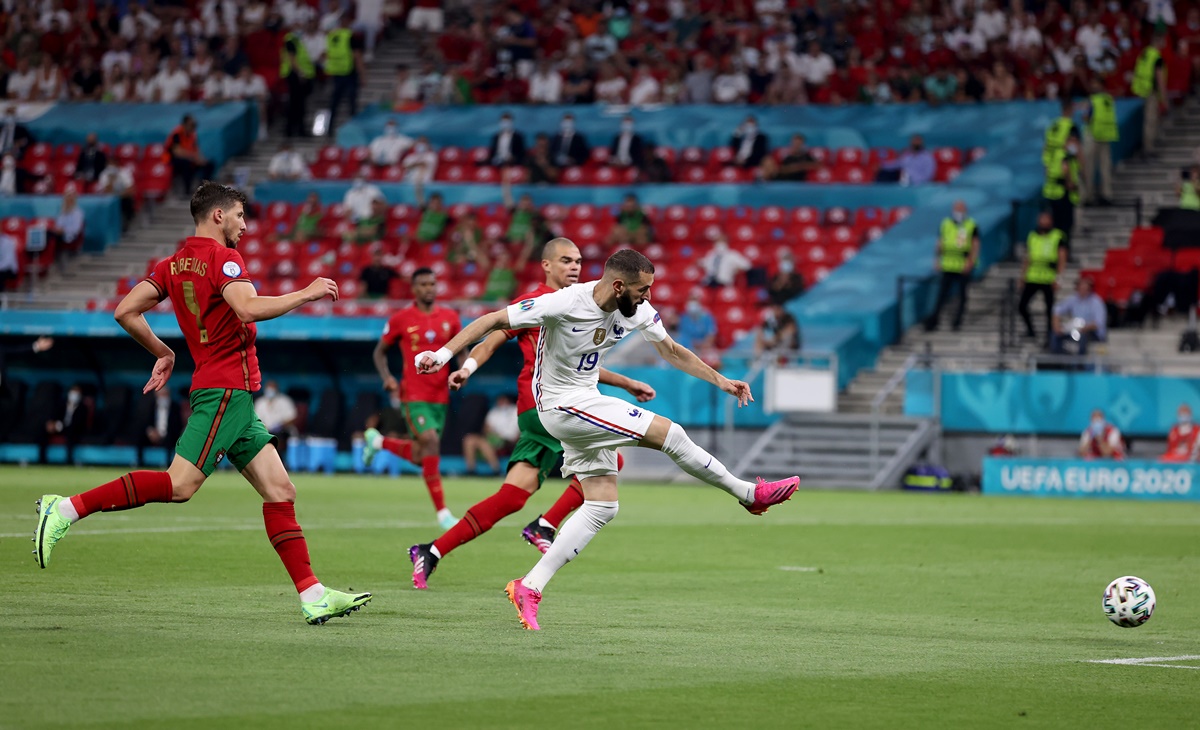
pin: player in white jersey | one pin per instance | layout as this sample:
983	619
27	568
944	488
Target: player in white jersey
579	324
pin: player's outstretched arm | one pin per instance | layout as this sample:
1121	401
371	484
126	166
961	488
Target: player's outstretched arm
642	391
250	307
479	354
684	359
130	315
431	362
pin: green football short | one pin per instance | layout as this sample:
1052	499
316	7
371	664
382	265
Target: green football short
222	424
536	446
424	417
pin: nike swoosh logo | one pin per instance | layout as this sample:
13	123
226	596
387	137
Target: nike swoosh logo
320	605
575	329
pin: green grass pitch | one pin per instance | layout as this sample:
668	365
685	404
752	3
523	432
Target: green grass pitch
834	610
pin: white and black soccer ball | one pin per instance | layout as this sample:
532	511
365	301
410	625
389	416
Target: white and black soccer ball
1129	601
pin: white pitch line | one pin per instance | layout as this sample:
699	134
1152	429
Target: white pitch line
798	569
1152	661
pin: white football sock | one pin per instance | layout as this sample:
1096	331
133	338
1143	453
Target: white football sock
312	593
574	536
436	553
66	508
703	465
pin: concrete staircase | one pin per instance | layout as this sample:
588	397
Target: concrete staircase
159	228
1097	229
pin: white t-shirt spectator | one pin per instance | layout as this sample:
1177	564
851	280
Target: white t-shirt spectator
132	26
254	87
502	421
722	265
294	13
611	91
545	88
420	166
116	179
20	85
991	25
275	411
1024	37
647	90
408	90
200	69
314	43
216	87
254	13
289	165
816	70
729	88
387	149
1091	40
145	89
173	86
110	60
62	16
357	200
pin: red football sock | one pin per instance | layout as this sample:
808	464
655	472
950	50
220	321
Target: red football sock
431	470
288	541
571	499
480	518
400	447
132	490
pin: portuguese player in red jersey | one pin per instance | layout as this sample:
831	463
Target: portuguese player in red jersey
536	452
216	306
425	398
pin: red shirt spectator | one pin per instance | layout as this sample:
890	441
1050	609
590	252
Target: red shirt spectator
869	39
1181	441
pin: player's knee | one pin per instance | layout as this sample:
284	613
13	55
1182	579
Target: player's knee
183	489
657	435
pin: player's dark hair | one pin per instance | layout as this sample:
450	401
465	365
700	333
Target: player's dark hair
424	270
211	196
628	264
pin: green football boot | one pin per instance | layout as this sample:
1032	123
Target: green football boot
51	528
333	604
369	451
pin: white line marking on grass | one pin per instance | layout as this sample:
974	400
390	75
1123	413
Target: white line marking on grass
1153	661
798	569
228	528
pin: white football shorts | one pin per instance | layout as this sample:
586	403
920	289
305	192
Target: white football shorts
591	429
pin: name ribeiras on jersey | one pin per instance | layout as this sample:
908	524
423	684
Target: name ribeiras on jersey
193	265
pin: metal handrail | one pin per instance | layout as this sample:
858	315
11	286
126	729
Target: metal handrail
893	382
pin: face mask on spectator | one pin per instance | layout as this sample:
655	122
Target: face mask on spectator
693	307
749	128
787	266
73	397
506	125
1067	25
1097	426
1184	418
420	147
1114	7
958	216
358	183
568	126
720	247
390	130
270	392
1125	43
626	127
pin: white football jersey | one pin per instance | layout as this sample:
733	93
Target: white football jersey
575	335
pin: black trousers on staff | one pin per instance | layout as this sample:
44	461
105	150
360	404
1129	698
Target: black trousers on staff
948	282
1028	291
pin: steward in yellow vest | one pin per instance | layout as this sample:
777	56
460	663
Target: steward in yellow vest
1045	258
958	250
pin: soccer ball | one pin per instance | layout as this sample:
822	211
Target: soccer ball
1128	602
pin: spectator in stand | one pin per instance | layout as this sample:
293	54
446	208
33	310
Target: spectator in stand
359	199
1188	188
372	228
545	84
201	66
991	22
466	241
1081	317
1101	439
87	83
787	283
632	225
406	93
526	226
308	220
1149	82
915	166
435	220
627	149
578	83
160	424
673	89
610	87
697	329
508	144
118	180
145	86
174	84
22	81
778	332
344	66
91	161
15	180
389	147
1045	258
14	136
116	87
277	411
644	89
816	67
750	146
73	423
731	85
957	252
288	164
874	89
251	87
698	83
420	165
377	276
50	85
1182	439
1100	131
722	264
426	16
183	149
10	267
941	87
500	434
68	224
501	282
117	56
569	147
795	164
542	169
1025	34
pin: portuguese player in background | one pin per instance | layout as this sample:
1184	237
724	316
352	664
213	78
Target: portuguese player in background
425	398
216	306
536	452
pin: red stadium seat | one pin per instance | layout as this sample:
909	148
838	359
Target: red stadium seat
948	156
836	216
1146	237
155	181
851	156
710	214
676	213
667	154
851	174
605	176
946	172
479	155
128	152
821	154
821	175
868	215
805	215
583	212
331	154
451	155
154	151
735	175
484	174
691	156
771	214
810	234
843	235
553	212
67	151
719	157
743	234
708	231
976	154
39	151
576	176
897	214
694	174
599	156
879	155
451	173
1186	259
358	156
582	232
678	232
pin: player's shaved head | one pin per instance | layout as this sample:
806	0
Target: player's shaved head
556	247
561	262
